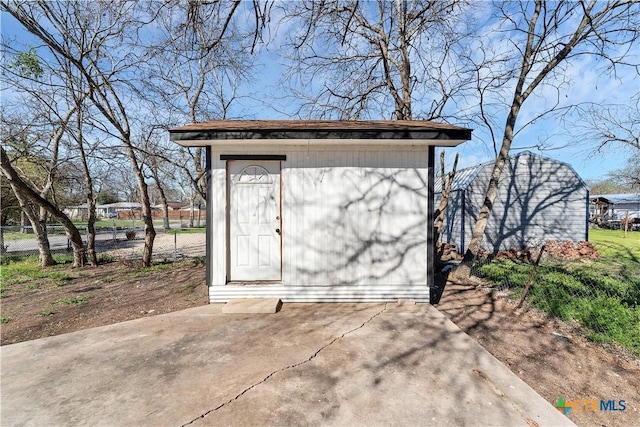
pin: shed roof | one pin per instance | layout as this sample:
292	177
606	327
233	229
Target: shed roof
618	199
330	131
464	177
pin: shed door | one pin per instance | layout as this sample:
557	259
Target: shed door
254	220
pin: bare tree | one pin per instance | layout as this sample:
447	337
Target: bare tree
32	170
60	95
91	35
628	177
544	37
447	183
201	53
609	127
403	60
78	135
27	193
34	128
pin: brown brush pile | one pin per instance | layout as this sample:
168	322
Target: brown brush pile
564	251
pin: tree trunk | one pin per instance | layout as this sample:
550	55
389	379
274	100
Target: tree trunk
3	249
165	209
92	256
147	217
21	187
464	269
146	214
91	204
45	258
163	197
44	249
23	222
3	222
447	182
191	213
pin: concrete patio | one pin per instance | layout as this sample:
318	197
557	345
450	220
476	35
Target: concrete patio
309	364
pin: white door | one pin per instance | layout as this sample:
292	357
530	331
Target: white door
254	220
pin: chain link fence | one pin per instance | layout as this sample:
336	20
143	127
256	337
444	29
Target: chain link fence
599	295
116	242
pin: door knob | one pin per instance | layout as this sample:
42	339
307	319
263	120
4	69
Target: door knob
278	231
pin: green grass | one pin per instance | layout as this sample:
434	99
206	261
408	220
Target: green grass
78	300
4	319
18	270
60	278
46	312
62	259
603	295
194	230
16	235
155	267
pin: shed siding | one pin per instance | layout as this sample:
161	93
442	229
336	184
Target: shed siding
354	226
538	199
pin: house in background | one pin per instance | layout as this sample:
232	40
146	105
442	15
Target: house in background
118	210
538	199
606	207
320	210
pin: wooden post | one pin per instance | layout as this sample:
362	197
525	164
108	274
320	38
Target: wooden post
626	224
531	276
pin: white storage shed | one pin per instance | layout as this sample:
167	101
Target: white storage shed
320	210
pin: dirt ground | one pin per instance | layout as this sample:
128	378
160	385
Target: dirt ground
97	296
550	356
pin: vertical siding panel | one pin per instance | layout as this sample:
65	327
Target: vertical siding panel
221	220
371	220
306	199
314	244
361	212
213	205
387	221
321	224
293	211
348	227
297	188
324	223
424	173
218	200
341	182
285	217
312	236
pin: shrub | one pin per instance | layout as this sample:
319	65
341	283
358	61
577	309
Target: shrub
130	234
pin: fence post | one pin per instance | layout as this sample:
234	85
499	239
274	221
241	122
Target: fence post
531	276
175	247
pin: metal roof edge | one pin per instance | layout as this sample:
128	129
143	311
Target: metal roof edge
477	168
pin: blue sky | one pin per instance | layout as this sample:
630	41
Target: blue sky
586	84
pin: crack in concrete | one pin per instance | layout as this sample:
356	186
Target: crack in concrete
295	365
